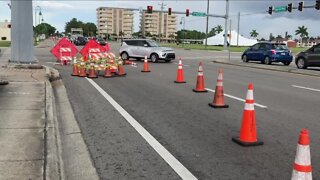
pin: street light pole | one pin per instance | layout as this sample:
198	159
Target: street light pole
207	25
184	29
226	25
35	15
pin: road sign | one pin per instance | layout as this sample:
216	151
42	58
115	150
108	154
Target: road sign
64	43
280	9
202	14
92	44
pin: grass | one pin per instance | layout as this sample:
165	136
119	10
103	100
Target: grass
219	48
5	43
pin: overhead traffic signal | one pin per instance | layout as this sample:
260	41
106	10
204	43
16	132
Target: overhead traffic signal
300	6
187	12
317	6
289	7
270	10
169	11
149	9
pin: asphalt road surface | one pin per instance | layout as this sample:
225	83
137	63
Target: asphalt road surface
198	136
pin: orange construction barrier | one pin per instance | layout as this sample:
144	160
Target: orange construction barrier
145	65
218	100
82	70
75	71
121	70
180	77
248	131
302	169
200	80
107	73
92	72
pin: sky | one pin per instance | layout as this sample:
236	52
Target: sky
253	14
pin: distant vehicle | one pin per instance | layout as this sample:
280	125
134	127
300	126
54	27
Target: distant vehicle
267	53
101	41
138	48
309	57
80	41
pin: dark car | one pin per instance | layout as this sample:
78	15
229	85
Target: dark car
267	52
101	41
80	41
309	57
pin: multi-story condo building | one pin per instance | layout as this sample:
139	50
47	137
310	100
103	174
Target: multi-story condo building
115	21
159	25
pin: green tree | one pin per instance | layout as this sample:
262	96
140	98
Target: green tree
302	31
73	23
44	28
218	29
89	29
254	33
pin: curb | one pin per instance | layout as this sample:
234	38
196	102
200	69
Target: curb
73	155
264	68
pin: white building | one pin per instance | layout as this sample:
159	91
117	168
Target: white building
5	31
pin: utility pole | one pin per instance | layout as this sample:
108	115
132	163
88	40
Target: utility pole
207	25
226	25
238	29
162	5
21	31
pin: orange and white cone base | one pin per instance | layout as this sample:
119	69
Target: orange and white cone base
75	71
121	70
145	65
248	131
107	73
218	100
302	169
180	77
200	88
82	71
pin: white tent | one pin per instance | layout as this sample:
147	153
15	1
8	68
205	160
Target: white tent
219	40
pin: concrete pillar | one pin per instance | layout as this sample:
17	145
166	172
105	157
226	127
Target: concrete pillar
22	31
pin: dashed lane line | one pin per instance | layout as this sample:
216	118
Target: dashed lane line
239	99
182	171
301	87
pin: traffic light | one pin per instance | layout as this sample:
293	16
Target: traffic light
289	7
270	10
317	6
169	11
149	9
300	6
187	12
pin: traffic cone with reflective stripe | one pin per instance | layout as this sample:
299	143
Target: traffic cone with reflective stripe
145	65
248	131
92	71
82	70
121	70
75	71
180	77
302	169
107	72
200	80
218	100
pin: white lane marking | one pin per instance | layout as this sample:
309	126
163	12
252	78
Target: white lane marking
182	64
311	89
233	97
183	172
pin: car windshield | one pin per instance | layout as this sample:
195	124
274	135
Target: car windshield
153	44
279	46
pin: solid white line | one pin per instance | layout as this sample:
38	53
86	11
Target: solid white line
183	172
305	88
233	97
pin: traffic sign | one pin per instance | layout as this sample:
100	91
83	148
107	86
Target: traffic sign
91	44
202	14
280	9
64	43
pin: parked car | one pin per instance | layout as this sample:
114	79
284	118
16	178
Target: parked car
101	41
309	57
267	53
80	41
138	48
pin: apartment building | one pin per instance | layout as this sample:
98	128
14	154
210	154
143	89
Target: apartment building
113	21
158	25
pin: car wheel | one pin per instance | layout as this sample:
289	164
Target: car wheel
301	63
167	61
244	58
286	63
154	57
267	60
124	56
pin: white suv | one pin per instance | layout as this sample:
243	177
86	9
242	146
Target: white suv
138	48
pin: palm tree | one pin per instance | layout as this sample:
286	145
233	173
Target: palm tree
218	29
254	33
302	31
121	34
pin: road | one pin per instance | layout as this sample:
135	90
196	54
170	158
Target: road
198	136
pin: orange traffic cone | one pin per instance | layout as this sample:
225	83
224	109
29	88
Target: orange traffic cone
107	73
83	70
248	131
180	77
75	68
200	80
218	100
302	169
145	65
92	72
121	70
